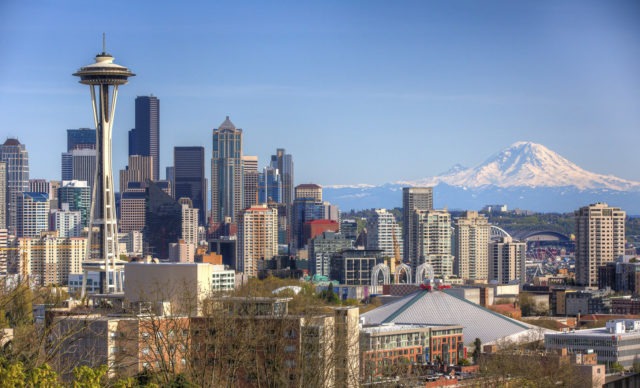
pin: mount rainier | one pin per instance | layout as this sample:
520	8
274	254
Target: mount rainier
525	175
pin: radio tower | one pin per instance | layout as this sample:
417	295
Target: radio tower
103	78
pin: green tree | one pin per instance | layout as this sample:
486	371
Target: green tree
20	306
477	349
87	377
616	367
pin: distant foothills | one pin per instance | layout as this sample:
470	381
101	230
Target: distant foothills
525	175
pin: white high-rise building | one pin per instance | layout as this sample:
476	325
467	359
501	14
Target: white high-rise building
382	229
433	240
189	224
471	246
68	223
507	261
600	238
257	238
33	214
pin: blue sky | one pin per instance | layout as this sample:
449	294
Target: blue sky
357	91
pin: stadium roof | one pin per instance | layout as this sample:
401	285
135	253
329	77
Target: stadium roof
441	308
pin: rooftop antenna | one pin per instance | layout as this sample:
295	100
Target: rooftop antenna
104	43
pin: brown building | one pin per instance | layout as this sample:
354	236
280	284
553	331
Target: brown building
315	228
390	350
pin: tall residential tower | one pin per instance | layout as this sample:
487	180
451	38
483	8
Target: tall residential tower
600	231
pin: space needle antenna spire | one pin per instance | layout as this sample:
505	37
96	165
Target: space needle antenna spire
103	77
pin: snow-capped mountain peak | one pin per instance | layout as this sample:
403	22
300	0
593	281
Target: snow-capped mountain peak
528	164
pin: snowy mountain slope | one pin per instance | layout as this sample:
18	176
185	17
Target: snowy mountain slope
525	175
527	164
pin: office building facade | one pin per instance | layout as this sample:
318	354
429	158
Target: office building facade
507	260
144	139
226	172
16	157
433	241
413	198
600	238
257	238
471	246
250	180
33	214
77	196
81	138
189	178
163	221
384	233
270	186
322	248
283	162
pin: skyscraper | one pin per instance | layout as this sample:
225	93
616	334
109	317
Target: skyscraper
433	240
257	238
507	260
189	178
144	139
384	233
471	246
269	186
79	165
15	155
81	138
284	163
600	236
413	198
226	172
139	169
3	196
163	221
77	196
250	180
33	214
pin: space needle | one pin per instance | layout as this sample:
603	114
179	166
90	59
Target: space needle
103	77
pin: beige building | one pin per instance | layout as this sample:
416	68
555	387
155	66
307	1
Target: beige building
433	240
600	239
257	238
167	288
140	169
50	259
507	260
471	247
309	190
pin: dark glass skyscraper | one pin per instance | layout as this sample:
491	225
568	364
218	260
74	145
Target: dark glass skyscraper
284	163
81	138
144	139
188	163
163	221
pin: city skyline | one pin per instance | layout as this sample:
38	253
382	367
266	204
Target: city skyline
457	79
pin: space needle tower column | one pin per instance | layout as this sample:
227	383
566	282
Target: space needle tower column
103	78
